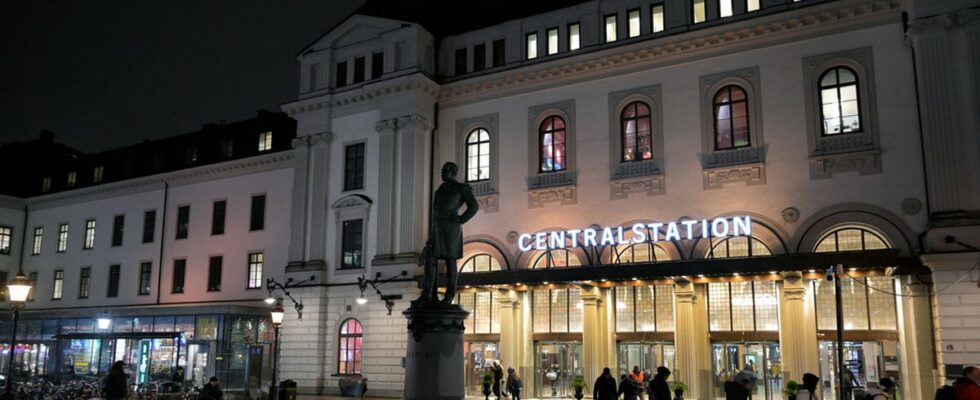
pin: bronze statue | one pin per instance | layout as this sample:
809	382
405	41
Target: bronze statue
446	234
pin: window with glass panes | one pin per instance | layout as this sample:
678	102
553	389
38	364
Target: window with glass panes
112	290
354	167
149	225
97	174
62	238
556	258
551	139
37	240
214	273
657	18
731	117
183	221
218	210
743	306
751	5
118	226
478	155
636	133
645	252
255	261
6	233
89	234
32	276
839	105
574	36
867	301
480	263
633	18
484	312
697	8
724	8
256	220
59	281
146	272
352	242
532	46
84	280
552	41
556	310
349	350
644	308
177	284
737	246
610	27
265	141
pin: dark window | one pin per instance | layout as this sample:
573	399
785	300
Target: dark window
113	289
257	220
480	57
351	342
461	61
83	282
839	106
636	134
218	218
59	285
314	71
118	223
341	74
359	69
183	220
214	274
552	144
227	148
731	118
354	167
146	270
6	233
149	225
499	52
377	65
178	283
191	156
3	286
352	244
32	276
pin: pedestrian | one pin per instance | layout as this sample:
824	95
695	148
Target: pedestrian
498	376
212	391
849	383
884	391
738	388
968	386
637	377
627	388
647	377
605	386
178	375
514	384
809	389
659	389
115	383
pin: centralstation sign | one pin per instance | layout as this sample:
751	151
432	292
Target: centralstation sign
688	229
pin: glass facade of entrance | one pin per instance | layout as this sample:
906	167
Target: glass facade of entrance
556	365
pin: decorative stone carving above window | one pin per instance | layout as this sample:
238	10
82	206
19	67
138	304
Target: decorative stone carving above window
565	195
734	163
648	185
749	174
555	179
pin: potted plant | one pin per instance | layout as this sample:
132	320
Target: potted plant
487	382
678	387
790	389
578	385
354	386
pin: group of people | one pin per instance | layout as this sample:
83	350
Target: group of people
115	384
513	385
633	386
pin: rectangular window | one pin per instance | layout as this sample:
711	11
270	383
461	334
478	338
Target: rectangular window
36	245
611	28
32	276
698	11
354	167
634	23
532	46
751	5
657	18
460	61
46	184
574	38
265	141
3	286
341	74
118	223
146	271
191	156
97	174
149	225
314	73
724	8
59	281
113	288
359	69
89	234
6	233
552	41
257	219
214	274
72	178
377	65
499	52
178	283
480	57
85	276
255	261
227	148
183	221
218	217
62	238
719	307
352	240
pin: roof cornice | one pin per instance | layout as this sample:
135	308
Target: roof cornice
415	81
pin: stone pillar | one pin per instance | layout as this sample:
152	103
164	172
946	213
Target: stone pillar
609	329
526	335
797	338
593	337
412	186
303	351
691	340
510	337
298	207
434	356
386	190
917	340
319	188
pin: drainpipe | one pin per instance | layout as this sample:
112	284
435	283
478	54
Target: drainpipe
163	237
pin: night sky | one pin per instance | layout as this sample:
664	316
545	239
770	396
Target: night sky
104	74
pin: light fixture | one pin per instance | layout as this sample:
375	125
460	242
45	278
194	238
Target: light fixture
277	314
544	283
19	287
104	321
361	299
270	300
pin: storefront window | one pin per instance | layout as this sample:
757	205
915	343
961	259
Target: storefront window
556	310
163	324
207	328
186	325
122	324
67	326
743	306
644	308
143	324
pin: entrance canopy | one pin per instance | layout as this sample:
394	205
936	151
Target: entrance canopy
121	335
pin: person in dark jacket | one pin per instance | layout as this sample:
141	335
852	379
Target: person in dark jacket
115	383
514	384
968	386
738	389
604	387
627	388
498	376
659	389
212	391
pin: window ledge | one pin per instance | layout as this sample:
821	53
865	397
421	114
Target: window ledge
483	188
552	179
634	169
726	158
843	143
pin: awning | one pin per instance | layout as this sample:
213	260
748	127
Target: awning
120	335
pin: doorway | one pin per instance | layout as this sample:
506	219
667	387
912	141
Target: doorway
761	360
648	356
479	357
198	370
556	365
865	364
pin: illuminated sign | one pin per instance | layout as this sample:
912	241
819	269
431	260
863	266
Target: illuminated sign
654	232
143	370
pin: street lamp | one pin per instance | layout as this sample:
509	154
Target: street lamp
277	314
18	289
103	322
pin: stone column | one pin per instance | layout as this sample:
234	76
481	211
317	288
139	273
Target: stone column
526	343
917	340
434	356
298	206
593	337
386	189
319	178
797	337
412	185
510	338
691	340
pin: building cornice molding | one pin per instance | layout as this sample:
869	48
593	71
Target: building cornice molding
11	202
337	101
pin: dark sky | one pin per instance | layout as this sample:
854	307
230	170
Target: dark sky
104	74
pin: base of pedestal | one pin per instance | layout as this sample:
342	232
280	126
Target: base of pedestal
434	357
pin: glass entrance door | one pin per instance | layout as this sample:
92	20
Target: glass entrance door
198	370
759	360
865	364
648	356
556	365
479	358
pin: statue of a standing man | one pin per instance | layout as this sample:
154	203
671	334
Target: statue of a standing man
446	233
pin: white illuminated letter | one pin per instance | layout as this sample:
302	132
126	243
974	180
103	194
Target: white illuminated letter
521	240
639	236
704	229
742	226
589	237
715	231
689	224
607	237
557	240
672	232
620	239
655	231
574	236
539	239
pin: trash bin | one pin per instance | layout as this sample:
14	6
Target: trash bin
287	390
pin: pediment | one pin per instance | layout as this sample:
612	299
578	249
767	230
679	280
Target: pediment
356	29
352	201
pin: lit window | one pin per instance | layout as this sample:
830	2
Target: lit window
97	174
89	234
840	112
349	351
743	306
639	253
59	281
751	5
634	23
850	239
731	116
62	238
552	144
484	309
573	37
265	141
46	184
644	308
36	244
724	8
83	282
255	261
657	17
480	263
552	41
557	258
146	272
698	8
352	241
611	28
637	136
478	155
738	246
532	46
32	276
72	178
6	233
558	310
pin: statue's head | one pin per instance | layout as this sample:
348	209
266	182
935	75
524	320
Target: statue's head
449	171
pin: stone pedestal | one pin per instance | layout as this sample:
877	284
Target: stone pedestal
434	355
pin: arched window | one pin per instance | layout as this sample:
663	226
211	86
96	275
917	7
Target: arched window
639	253
738	246
556	258
478	155
867	302
480	263
731	117
349	357
551	138
850	239
637	136
839	107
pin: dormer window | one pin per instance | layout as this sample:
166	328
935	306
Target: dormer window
97	174
552	41
72	177
532	46
634	23
265	141
611	28
46	184
574	41
359	65
341	74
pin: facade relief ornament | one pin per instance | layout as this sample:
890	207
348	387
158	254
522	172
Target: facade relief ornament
386	125
864	163
302	141
565	195
414	121
324	137
718	177
488	203
512	237
791	214
911	206
650	185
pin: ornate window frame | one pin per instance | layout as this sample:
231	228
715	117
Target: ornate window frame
746	164
356	353
645	176
485	191
856	151
351	207
547	187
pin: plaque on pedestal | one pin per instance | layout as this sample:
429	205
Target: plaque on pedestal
434	357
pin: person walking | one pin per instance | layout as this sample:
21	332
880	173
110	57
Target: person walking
659	389
647	377
738	388
212	391
884	391
498	376
627	388
514	384
809	389
605	386
967	387
115	384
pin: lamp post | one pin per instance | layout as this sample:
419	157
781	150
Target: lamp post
277	314
104	323
18	289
